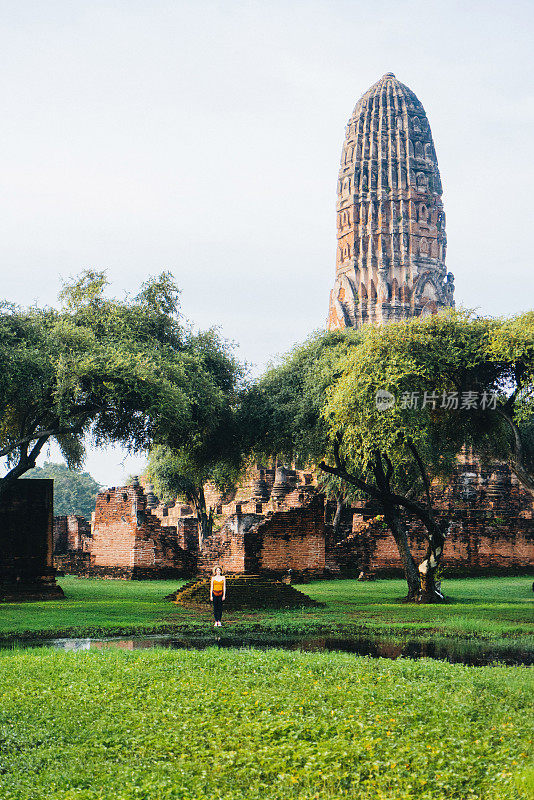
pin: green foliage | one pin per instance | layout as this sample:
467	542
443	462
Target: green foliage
439	354
253	725
87	288
323	396
479	609
450	352
328	386
215	454
284	408
289	398
74	492
124	371
183	472
160	294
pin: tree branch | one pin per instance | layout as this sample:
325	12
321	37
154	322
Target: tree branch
380	475
372	491
26	462
52	431
377	494
382	492
414	451
517	463
340	464
390	470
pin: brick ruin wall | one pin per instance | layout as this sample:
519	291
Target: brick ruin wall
72	544
298	488
293	539
480	541
134	536
129	541
226	547
290	540
26	542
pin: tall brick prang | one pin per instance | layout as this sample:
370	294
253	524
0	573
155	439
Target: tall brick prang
390	262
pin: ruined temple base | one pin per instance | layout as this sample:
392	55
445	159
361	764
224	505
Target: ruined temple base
243	592
42	588
26	545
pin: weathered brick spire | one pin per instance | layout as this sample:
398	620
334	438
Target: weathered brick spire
390	261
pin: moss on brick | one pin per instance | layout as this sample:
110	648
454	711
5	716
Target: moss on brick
244	591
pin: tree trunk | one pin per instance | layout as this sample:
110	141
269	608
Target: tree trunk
390	505
26	462
205	526
204	517
430	589
398	529
336	522
517	459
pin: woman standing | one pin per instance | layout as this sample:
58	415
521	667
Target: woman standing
217	594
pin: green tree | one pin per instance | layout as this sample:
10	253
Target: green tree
127	371
394	454
284	409
285	405
185	473
511	353
74	491
216	453
321	403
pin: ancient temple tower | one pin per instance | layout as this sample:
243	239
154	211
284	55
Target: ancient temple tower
391	242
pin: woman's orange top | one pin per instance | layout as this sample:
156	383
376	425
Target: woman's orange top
218	585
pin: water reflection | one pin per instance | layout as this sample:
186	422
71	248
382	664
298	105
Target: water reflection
474	654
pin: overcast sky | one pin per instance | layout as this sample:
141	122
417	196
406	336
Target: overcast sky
204	138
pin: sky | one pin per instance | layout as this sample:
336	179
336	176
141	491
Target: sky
204	138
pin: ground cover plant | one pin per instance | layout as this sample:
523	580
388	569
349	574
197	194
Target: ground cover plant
252	724
479	609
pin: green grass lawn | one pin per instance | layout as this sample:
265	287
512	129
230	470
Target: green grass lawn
478	608
254	725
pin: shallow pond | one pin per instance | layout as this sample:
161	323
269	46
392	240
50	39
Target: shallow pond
454	651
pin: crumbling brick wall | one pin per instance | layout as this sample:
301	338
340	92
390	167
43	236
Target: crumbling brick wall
187	533
226	547
129	541
492	532
71	532
291	539
72	544
479	542
60	537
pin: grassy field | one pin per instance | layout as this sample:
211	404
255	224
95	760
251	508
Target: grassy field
155	725
485	608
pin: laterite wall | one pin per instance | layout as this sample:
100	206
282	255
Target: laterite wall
281	541
292	539
479	542
129	541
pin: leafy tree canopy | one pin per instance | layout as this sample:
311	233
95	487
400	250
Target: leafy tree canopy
216	454
321	403
128	371
285	405
74	492
457	380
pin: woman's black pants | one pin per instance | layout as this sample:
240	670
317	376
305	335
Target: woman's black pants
217	607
